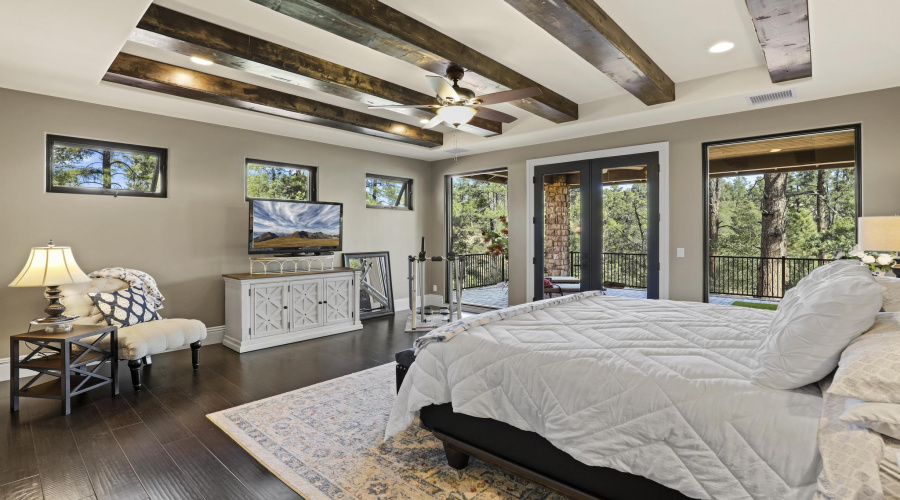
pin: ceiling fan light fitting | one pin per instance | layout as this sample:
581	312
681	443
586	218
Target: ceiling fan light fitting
456	115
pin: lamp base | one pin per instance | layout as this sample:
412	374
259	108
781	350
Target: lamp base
56	324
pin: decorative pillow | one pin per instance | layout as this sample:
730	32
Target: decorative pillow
869	368
891	287
814	324
883	418
124	307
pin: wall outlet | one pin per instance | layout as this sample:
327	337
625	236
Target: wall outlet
433	288
679	252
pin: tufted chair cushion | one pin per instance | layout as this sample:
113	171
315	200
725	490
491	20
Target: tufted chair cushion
138	340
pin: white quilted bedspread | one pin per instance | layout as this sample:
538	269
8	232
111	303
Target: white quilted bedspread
650	387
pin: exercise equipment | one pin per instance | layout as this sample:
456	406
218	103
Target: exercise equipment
423	316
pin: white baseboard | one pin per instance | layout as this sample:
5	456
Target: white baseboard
401	305
214	335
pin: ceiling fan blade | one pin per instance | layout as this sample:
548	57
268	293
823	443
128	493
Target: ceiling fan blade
509	95
442	87
497	116
396	106
437	120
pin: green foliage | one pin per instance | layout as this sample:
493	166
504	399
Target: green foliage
277	183
625	228
755	305
105	169
740	214
385	193
476	210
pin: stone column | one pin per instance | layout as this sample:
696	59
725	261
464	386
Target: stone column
556	226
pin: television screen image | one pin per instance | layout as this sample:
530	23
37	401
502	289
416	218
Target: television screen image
290	226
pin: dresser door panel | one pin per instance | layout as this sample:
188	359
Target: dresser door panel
338	300
306	300
270	303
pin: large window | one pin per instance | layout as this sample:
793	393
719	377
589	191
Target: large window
778	207
268	180
388	192
96	167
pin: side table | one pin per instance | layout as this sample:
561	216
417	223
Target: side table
71	357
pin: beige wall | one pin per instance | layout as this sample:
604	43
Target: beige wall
877	111
186	241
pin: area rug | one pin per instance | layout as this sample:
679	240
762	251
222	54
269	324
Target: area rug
326	442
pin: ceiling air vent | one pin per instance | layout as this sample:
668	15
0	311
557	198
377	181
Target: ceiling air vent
458	150
781	95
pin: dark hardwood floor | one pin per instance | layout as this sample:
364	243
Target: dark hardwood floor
158	443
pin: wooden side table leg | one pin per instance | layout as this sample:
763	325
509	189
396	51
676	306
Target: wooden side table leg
13	375
65	379
114	362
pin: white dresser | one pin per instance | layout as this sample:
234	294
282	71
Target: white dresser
266	310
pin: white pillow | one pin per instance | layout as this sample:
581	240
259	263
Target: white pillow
814	324
891	287
883	418
869	368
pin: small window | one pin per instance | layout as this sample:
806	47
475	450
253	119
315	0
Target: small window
86	166
388	192
269	180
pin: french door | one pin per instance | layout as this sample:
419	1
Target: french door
580	204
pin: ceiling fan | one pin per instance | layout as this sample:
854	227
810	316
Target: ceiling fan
457	105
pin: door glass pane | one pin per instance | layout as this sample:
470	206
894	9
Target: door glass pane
562	211
625	231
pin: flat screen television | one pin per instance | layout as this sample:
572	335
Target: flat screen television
294	227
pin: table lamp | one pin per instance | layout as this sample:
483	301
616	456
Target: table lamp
51	266
880	234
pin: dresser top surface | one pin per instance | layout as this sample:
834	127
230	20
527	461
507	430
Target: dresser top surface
263	276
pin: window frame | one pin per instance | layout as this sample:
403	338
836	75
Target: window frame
312	184
857	136
162	170
408	186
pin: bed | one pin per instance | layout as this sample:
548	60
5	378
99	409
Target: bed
647	398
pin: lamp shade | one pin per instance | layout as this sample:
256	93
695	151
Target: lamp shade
50	266
879	233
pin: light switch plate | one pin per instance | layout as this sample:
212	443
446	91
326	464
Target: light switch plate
679	252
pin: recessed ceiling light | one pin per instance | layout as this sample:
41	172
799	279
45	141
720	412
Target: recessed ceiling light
775	150
424	120
721	47
201	61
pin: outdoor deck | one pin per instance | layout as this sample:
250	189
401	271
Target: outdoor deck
497	297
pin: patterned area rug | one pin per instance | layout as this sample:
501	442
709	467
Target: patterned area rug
326	442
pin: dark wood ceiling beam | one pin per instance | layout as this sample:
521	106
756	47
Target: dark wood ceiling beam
172	31
147	74
782	27
389	31
587	30
788	161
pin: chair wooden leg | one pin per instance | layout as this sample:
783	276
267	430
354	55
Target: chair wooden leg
195	354
135	366
456	458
